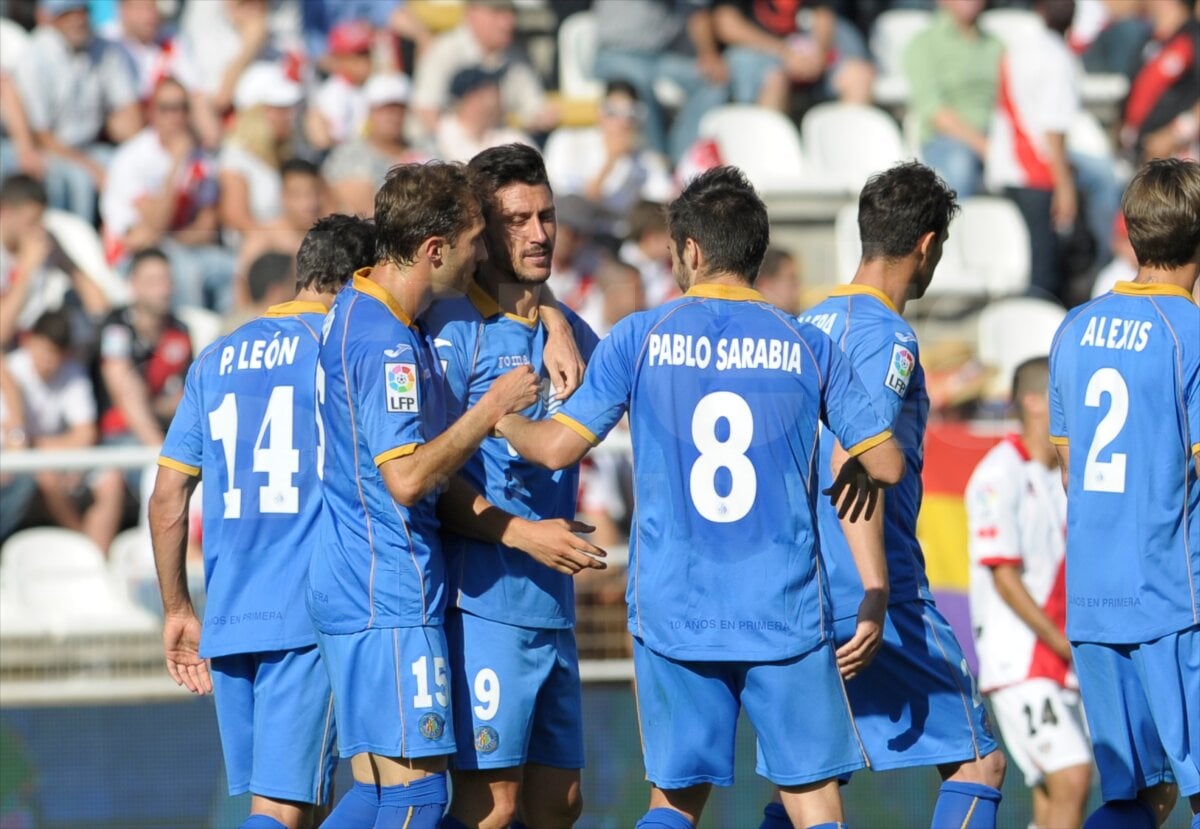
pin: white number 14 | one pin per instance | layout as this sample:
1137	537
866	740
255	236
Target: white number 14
280	460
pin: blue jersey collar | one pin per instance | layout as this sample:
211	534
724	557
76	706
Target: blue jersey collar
1151	289
488	307
864	290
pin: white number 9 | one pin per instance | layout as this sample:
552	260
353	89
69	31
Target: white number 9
487	691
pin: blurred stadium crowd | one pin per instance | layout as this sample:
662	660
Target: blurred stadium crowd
162	159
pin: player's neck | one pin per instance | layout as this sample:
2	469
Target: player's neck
309	295
410	286
891	278
1184	277
732	280
518	298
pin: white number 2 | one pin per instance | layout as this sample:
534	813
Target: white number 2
1106	476
420	672
718	454
280	461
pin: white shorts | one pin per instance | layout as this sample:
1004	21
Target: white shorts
1043	727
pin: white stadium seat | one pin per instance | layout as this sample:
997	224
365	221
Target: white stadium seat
891	33
762	142
991	242
81	243
1011	26
1087	137
61	584
1012	331
203	326
848	143
847	244
576	55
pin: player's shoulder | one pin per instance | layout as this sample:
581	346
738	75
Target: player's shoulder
453	314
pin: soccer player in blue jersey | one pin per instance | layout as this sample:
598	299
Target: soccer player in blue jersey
246	425
725	394
377	579
513	662
914	700
1125	415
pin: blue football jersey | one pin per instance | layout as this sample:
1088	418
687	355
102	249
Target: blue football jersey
477	343
246	422
1125	396
380	395
883	350
725	394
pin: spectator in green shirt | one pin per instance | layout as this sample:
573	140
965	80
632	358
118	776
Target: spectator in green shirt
952	70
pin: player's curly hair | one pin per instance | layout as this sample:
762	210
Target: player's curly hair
720	211
1162	211
333	249
418	202
899	206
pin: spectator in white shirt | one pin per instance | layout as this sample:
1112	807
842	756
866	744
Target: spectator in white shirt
162	192
484	39
647	248
339	109
152	52
60	413
75	87
356	169
609	164
477	121
250	183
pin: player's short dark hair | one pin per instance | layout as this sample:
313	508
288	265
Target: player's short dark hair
55	326
298	167
266	271
144	255
333	249
1030	377
497	167
899	206
646	217
720	211
1162	211
21	189
420	201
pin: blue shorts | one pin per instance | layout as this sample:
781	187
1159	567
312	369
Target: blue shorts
275	715
517	696
391	691
1143	708
917	704
688	714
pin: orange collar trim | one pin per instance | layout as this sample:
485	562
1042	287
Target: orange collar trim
488	307
716	290
1151	289
294	308
364	285
864	290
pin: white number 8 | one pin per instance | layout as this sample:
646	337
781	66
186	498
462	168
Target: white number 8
723	454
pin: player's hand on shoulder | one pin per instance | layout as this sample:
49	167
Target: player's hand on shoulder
564	364
516	390
181	644
555	543
854	491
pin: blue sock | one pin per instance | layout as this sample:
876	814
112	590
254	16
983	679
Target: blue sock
1122	814
965	806
261	822
356	810
833	824
775	817
449	822
664	819
419	805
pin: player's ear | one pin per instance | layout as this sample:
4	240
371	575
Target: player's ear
434	249
693	257
925	243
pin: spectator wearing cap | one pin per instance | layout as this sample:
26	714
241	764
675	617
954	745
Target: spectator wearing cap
75	87
643	42
219	40
609	164
389	19
251	158
357	168
339	108
162	192
476	121
484	40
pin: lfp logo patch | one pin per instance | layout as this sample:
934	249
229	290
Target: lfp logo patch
486	739
432	726
900	371
400	381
